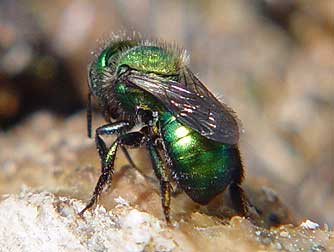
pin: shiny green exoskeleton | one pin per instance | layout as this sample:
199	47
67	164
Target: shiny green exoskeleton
149	83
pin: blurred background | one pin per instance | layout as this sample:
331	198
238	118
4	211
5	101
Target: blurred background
272	61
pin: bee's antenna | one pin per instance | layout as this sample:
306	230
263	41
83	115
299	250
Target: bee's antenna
89	114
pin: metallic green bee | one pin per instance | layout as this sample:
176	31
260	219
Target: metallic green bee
149	83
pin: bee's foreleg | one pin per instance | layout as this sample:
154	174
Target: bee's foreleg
108	129
133	139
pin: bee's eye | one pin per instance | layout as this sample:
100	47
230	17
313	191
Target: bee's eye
108	55
104	59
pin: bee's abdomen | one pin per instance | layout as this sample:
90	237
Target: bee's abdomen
202	167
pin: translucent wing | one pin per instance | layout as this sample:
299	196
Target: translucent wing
191	103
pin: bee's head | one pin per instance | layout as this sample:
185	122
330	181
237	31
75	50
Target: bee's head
101	75
101	72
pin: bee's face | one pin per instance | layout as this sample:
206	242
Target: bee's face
101	72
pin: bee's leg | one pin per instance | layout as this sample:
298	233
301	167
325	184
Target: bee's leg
238	199
110	129
134	139
163	176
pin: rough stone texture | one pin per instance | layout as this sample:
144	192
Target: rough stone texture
44	222
60	167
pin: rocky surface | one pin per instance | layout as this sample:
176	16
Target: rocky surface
44	222
59	167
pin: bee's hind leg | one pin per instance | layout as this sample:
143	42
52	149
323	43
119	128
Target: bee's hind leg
163	176
238	199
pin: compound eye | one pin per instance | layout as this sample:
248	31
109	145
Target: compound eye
104	59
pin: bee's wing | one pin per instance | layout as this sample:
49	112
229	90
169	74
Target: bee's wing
192	104
192	83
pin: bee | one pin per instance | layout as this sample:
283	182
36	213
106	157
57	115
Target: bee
191	136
